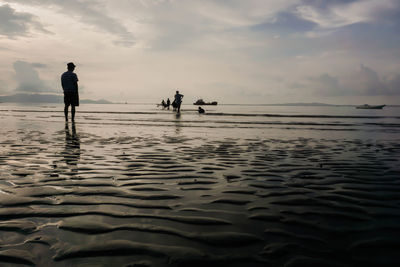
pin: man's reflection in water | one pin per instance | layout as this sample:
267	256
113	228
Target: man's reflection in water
178	125
72	151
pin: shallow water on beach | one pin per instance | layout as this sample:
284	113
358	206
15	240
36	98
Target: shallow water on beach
134	185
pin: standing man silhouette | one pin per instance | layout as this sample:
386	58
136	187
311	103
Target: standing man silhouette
168	103
69	82
178	100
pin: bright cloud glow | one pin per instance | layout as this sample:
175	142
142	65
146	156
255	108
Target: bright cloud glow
346	14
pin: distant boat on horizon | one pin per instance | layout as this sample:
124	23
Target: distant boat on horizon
201	102
366	106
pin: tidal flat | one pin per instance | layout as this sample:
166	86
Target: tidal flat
153	189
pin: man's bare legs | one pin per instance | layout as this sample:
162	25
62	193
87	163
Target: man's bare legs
72	112
66	112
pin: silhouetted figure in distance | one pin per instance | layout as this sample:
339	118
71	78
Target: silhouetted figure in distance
69	82
168	103
178	101
201	110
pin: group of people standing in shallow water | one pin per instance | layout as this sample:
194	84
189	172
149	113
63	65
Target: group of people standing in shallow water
176	104
69	83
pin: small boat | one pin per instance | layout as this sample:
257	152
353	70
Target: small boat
366	106
201	102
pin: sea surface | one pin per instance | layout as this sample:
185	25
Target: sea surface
253	120
241	185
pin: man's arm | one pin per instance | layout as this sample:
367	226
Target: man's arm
76	82
62	82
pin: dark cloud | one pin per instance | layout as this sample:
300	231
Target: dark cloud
394	84
285	23
366	81
14	23
28	78
39	65
382	12
322	4
390	17
326	84
363	82
336	14
90	12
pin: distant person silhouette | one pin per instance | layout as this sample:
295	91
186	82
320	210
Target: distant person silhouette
178	101
168	103
201	110
69	82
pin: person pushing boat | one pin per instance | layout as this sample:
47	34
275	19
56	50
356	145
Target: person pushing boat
178	101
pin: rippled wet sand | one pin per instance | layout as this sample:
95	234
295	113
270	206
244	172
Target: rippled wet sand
72	197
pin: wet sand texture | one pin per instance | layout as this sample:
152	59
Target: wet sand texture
87	200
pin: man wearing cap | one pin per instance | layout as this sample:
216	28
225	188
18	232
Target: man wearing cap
69	82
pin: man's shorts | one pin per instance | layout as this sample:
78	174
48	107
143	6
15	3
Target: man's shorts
71	98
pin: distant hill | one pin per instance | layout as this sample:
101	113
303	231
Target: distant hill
45	98
301	104
313	104
100	101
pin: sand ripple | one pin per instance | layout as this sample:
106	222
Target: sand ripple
178	201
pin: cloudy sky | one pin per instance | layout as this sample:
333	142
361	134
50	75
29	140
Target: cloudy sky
232	51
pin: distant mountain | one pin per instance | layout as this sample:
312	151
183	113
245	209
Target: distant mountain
32	98
302	104
44	98
100	101
313	104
